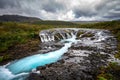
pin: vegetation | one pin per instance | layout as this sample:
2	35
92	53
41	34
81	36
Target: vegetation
55	23
5	57
111	72
12	33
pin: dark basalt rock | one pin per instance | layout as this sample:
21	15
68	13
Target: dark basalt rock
34	76
82	61
64	72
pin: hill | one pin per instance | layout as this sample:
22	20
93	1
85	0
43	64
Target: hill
84	22
17	18
55	23
33	20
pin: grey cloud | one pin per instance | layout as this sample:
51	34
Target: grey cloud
79	13
118	9
113	15
61	9
107	5
52	6
9	3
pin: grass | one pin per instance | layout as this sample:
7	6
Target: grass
111	72
101	78
5	57
54	23
13	33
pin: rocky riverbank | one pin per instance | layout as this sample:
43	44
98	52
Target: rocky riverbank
20	51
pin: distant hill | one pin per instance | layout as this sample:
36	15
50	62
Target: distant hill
84	22
33	20
54	23
17	18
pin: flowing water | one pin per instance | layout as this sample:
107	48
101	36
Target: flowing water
20	69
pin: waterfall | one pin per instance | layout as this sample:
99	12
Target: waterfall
47	36
68	35
19	69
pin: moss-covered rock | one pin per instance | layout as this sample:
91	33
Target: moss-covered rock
111	72
58	36
88	35
79	33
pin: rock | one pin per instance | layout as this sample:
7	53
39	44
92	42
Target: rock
34	76
41	68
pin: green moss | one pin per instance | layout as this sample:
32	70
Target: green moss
117	55
5	57
79	33
58	36
111	72
88	35
1	58
101	78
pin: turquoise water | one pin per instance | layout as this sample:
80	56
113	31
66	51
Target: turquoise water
19	70
29	63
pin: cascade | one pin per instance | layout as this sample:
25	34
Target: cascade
20	69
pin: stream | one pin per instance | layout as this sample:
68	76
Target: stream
76	42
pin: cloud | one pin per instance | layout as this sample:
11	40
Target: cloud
63	9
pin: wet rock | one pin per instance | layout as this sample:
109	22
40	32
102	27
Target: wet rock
41	68
79	33
21	50
34	76
65	72
75	65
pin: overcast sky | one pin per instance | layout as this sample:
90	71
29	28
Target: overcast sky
82	10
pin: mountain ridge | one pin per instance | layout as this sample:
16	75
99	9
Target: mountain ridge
17	18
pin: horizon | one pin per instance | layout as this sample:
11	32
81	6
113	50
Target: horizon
61	10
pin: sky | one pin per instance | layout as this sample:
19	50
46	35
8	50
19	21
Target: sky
68	10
